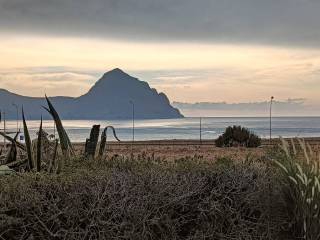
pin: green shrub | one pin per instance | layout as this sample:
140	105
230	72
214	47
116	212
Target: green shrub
238	136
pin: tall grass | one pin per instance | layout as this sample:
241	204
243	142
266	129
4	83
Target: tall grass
300	168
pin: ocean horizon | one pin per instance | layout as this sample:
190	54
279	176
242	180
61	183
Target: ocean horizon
182	128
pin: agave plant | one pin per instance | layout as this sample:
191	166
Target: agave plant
104	139
40	147
12	154
19	145
52	162
65	142
91	143
11	158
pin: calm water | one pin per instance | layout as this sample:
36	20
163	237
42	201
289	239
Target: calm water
187	128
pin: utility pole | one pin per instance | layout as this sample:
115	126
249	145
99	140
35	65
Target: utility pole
4	130
132	123
271	101
17	115
200	129
268	168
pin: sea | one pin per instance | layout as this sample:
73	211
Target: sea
184	128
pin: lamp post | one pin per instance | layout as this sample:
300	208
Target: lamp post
271	101
268	166
17	115
200	129
132	121
4	129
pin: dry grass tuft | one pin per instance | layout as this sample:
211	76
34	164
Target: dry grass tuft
300	166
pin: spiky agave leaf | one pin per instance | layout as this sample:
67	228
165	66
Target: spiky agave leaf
28	141
19	145
53	160
17	163
12	154
39	146
102	143
92	141
104	139
63	136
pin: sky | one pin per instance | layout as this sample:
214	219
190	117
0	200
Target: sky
194	51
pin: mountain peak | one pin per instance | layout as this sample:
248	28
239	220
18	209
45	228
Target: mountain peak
117	72
119	81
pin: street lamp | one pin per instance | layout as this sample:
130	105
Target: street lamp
271	101
200	129
17	116
3	116
132	121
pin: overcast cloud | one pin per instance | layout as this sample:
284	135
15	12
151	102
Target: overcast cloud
278	22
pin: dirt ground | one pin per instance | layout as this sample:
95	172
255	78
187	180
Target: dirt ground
176	149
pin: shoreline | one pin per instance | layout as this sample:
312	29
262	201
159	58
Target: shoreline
187	142
171	150
265	141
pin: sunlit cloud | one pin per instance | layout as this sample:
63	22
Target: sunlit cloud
186	72
51	83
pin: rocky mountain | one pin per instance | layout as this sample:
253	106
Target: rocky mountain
111	97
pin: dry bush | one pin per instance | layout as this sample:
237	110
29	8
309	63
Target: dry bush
142	198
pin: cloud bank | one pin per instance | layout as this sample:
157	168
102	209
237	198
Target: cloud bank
289	107
284	22
51	81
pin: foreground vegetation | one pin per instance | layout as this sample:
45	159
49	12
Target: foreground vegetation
49	192
143	198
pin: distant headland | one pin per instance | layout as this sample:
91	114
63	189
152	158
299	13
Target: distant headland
111	97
